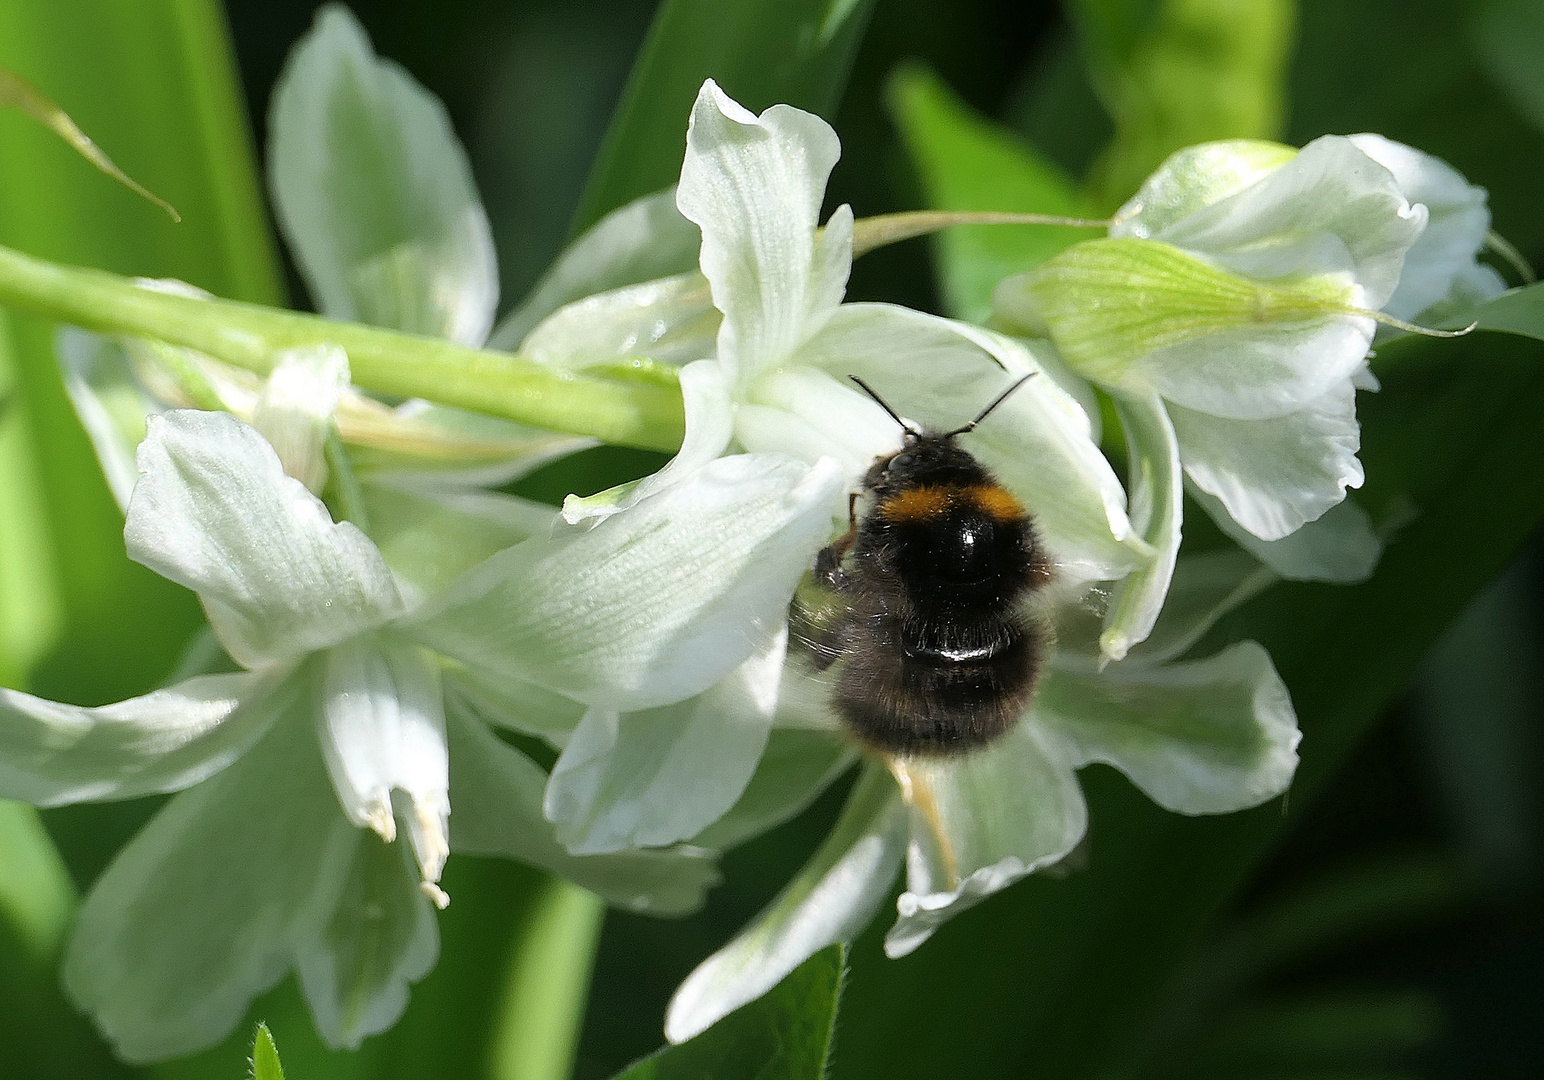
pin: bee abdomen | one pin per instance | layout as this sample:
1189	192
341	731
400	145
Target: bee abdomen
940	697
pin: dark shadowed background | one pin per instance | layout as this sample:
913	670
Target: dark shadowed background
1395	925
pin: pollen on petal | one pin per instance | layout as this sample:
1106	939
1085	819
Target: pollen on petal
379	818
428	831
917	791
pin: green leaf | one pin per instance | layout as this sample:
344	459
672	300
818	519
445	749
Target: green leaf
153	83
1508	38
30	604
785	1035
1478	705
1223	1003
18	93
1316	1034
37	896
504	1001
968	163
795	52
1520	311
1452	438
1111	31
43	1037
1179	72
265	1056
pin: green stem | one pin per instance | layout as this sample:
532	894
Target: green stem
537	1030
642	414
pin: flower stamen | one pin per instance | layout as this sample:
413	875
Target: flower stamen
918	793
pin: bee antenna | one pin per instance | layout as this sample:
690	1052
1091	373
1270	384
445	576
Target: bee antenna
984	413
869	390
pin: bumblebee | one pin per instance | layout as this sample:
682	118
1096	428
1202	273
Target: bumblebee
938	653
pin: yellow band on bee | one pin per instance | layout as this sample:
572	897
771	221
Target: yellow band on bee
997	503
920	504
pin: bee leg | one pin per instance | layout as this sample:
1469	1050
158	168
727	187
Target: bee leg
828	564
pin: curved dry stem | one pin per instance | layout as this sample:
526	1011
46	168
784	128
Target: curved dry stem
1513	258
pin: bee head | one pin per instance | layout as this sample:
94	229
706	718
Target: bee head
926	459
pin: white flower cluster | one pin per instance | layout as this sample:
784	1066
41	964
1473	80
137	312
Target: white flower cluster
643	633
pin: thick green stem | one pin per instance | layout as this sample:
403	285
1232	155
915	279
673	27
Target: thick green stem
644	414
542	1008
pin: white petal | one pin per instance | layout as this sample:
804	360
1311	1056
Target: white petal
1208	737
377	935
52	754
808	414
1157	509
832	262
652	778
429	533
496	698
1205	588
295	409
1039	442
1455	230
978	824
110	402
832	899
214	511
498	793
1144	315
202	911
804	700
644	240
423	443
796	766
374	193
1474	286
1275	474
651	605
382	729
1195	177
671	320
1331	210
1276	370
709	428
1341	546
754	185
1328	227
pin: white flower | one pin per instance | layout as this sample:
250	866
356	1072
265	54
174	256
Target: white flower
675	727
1440	266
705	725
375	197
1233	302
340	723
1198	737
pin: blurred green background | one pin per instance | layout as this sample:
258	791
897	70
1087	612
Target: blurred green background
1387	921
